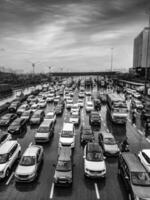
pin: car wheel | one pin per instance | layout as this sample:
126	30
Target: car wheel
7	172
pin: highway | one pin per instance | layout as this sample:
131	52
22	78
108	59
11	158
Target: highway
83	188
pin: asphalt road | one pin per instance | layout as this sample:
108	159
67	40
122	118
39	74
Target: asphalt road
83	188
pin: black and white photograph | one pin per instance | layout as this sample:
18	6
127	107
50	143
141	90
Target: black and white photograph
74	99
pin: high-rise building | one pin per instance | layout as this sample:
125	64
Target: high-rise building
141	55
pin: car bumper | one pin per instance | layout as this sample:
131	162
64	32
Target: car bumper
95	174
24	179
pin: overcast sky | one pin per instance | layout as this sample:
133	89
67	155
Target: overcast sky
75	35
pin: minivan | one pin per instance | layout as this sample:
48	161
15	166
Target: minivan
45	131
63	172
135	176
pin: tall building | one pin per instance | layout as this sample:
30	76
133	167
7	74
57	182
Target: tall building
141	54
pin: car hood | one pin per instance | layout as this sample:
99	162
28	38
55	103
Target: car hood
41	135
95	166
2	166
111	148
142	192
35	119
63	175
66	140
25	170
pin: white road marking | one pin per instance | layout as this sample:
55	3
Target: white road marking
30	144
52	191
148	140
96	190
10	178
140	132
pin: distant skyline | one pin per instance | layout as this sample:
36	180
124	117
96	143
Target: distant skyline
75	35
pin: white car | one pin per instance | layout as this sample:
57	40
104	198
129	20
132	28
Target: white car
67	136
50	97
81	103
42	103
88	93
29	164
144	156
22	108
56	99
94	163
81	95
34	107
75	108
10	151
51	116
69	103
89	106
75	118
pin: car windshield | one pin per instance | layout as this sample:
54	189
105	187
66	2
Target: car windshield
49	116
74	116
43	130
63	166
3	158
140	178
27	161
109	141
68	134
95	156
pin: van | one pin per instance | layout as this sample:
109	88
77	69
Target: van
67	136
64	168
45	131
135	176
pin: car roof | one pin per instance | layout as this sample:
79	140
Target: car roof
50	113
67	126
31	150
133	162
65	153
46	123
93	147
5	147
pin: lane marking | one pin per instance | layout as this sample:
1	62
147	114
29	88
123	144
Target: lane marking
140	132
10	178
52	191
96	190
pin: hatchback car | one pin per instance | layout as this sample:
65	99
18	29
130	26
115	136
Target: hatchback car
42	103
17	126
7	119
29	164
94	163
108	144
10	152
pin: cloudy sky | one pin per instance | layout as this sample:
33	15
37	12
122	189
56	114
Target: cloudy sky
70	35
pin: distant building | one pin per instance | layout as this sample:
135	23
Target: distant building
141	55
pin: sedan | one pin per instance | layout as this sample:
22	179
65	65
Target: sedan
27	115
18	126
7	119
144	156
86	135
29	165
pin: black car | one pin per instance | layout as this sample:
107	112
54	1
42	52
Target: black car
97	104
27	115
14	106
86	135
95	119
102	98
18	126
7	119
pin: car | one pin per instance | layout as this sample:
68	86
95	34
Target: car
81	103
88	93
94	162
14	106
4	137
63	175
136	104
50	97
67	135
44	132
59	109
102	97
89	106
37	117
56	99
81	94
95	119
144	156
69	103
75	108
10	152
30	163
51	116
135	177
108	144
18	126
42	103
27	115
86	135
97	104
6	119
34	107
22	108
75	118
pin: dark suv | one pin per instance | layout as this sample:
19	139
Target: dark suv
135	177
95	119
86	135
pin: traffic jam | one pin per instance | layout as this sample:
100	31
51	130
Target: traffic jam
75	140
